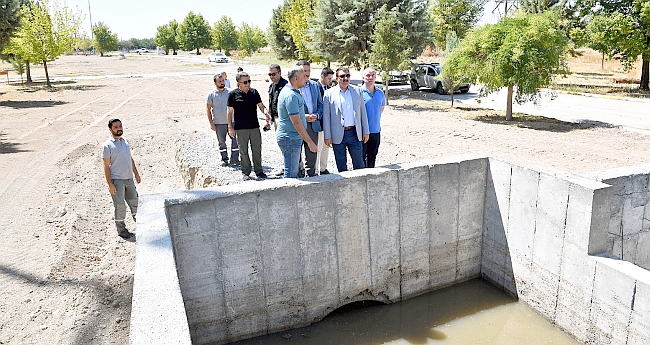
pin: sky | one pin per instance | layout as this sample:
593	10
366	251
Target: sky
140	19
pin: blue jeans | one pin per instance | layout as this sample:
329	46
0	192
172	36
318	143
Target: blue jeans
291	149
354	146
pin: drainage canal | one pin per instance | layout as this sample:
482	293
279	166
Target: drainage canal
474	312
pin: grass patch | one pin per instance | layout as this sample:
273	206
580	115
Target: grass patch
266	59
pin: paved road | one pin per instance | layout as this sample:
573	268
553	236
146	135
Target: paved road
629	113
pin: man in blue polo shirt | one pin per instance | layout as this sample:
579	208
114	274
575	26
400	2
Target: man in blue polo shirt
292	122
375	101
119	169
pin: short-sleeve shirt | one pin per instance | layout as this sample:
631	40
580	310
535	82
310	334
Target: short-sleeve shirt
290	102
374	102
244	108
119	151
219	102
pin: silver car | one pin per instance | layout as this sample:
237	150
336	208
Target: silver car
423	75
217	57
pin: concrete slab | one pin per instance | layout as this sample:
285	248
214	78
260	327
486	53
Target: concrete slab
523	209
552	204
443	236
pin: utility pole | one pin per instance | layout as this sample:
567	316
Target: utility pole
90	15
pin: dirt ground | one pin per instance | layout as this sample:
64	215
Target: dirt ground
65	275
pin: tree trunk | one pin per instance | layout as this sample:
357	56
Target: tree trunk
28	72
451	93
509	105
47	75
386	91
645	72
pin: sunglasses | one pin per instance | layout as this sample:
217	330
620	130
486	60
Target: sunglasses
272	74
245	82
344	76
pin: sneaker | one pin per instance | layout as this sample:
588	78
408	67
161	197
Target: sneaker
261	175
224	162
301	173
281	173
127	235
324	172
234	162
246	177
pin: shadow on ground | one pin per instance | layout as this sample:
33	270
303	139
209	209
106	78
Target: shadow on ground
9	147
539	123
30	104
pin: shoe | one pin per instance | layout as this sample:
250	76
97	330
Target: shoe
281	173
126	235
246	177
324	172
224	163
234	162
261	175
301	173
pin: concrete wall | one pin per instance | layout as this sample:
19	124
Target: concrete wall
262	257
629	223
540	227
290	252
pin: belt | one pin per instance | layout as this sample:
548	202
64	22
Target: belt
348	128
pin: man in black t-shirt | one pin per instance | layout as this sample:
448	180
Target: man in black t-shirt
242	119
277	83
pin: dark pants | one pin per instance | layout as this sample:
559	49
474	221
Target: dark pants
254	137
370	149
310	157
354	146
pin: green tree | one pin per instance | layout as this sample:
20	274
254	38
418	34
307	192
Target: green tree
448	83
539	6
280	40
105	40
224	35
296	14
166	37
621	29
524	52
9	20
454	16
389	49
194	33
341	29
251	38
46	32
84	44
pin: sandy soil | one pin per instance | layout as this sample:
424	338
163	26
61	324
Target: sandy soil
65	276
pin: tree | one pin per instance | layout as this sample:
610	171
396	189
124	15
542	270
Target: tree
621	29
280	41
251	38
105	40
9	20
84	44
194	33
525	52
166	37
448	83
46	32
389	49
224	35
341	29
295	17
454	16
539	6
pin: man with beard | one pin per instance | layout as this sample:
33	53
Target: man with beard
217	109
277	83
119	168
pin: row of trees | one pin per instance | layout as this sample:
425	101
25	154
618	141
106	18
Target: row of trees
195	33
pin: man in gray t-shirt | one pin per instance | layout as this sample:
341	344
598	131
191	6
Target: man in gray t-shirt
217	108
119	168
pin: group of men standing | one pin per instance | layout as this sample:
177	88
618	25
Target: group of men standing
344	117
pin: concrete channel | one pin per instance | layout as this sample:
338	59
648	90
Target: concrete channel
573	248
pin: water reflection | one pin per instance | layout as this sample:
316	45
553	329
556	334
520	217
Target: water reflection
474	312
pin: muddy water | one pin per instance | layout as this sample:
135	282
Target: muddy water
474	312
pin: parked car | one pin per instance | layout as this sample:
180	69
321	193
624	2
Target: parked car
423	75
142	50
217	57
398	77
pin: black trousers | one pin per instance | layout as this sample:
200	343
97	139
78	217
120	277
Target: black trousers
370	149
